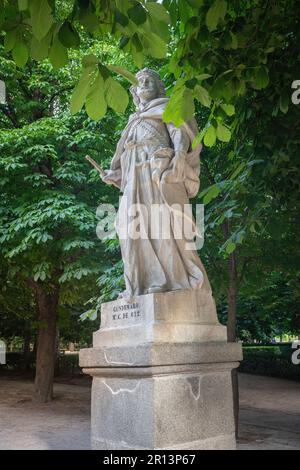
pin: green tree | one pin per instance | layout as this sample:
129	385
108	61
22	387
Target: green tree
49	198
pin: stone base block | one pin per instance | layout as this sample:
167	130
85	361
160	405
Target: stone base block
161	369
174	406
214	443
179	316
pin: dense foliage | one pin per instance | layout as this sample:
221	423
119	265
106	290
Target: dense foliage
220	50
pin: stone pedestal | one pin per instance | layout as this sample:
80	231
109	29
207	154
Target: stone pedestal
161	369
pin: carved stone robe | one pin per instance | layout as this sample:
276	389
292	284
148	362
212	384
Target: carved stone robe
147	146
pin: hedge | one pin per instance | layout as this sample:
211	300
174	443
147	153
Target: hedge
68	363
271	360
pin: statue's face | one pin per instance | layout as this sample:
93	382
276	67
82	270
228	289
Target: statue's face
147	88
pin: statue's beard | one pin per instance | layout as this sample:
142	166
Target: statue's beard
147	95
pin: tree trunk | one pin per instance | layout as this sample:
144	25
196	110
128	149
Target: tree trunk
232	298
231	331
57	353
47	308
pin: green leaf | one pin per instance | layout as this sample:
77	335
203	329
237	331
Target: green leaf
215	13
229	109
89	20
234	41
95	104
138	57
116	96
154	45
89	314
210	136
180	107
40	275
217	90
158	11
124	41
105	72
262	78
184	10
68	35
195	3
203	76
173	11
211	194
137	14
39	49
20	54
237	171
82	89
202	95
158	27
90	60
58	54
230	247
136	43
121	18
223	133
41	18
23	5
284	102
125	73
10	40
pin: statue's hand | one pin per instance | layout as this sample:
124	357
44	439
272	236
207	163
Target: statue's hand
104	175
110	177
107	176
176	173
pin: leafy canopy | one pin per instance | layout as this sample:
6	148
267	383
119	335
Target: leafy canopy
219	51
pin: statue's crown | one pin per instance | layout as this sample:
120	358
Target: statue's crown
147	71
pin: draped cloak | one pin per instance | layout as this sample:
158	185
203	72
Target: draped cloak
154	263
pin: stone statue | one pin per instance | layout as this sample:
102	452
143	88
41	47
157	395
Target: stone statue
160	363
155	164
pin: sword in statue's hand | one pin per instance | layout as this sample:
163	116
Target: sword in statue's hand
95	165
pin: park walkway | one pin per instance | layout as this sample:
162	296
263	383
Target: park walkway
269	415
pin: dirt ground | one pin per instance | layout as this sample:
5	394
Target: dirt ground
269	415
63	423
